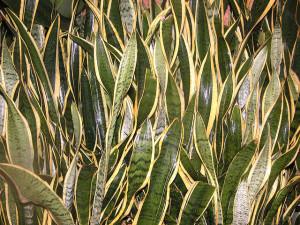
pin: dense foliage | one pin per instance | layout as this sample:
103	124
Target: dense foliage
149	112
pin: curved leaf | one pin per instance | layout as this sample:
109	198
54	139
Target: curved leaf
18	135
31	188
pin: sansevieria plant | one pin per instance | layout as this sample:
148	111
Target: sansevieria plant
149	112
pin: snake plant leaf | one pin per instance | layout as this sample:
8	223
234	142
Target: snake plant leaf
114	15
11	205
103	66
271	94
30	114
142	64
195	203
23	180
226	96
202	30
149	98
160	66
127	13
83	193
38	65
51	54
281	163
128	120
173	101
18	135
241	208
112	35
189	167
115	185
279	199
284	129
224	58
163	173
187	121
30	12
69	183
88	112
289	24
273	121
122	85
207	98
98	103
251	116
187	70
244	92
77	125
166	37
178	8
260	171
86	45
233	138
10	75
258	65
276	49
204	148
141	159
234	173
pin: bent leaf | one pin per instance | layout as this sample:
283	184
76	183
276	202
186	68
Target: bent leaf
32	188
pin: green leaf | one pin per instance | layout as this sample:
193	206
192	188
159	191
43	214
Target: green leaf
234	173
195	203
114	15
86	45
188	123
204	149
160	66
149	98
186	69
224	58
32	188
272	93
178	8
281	163
156	201
83	189
279	200
69	183
51	53
103	66
202	30
142	64
18	136
88	115
207	92
173	101
10	75
233	138
241	208
122	85
260	171
39	67
141	158
77	125
127	13
276	49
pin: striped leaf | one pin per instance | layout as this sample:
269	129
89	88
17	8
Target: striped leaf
32	188
195	203
164	169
